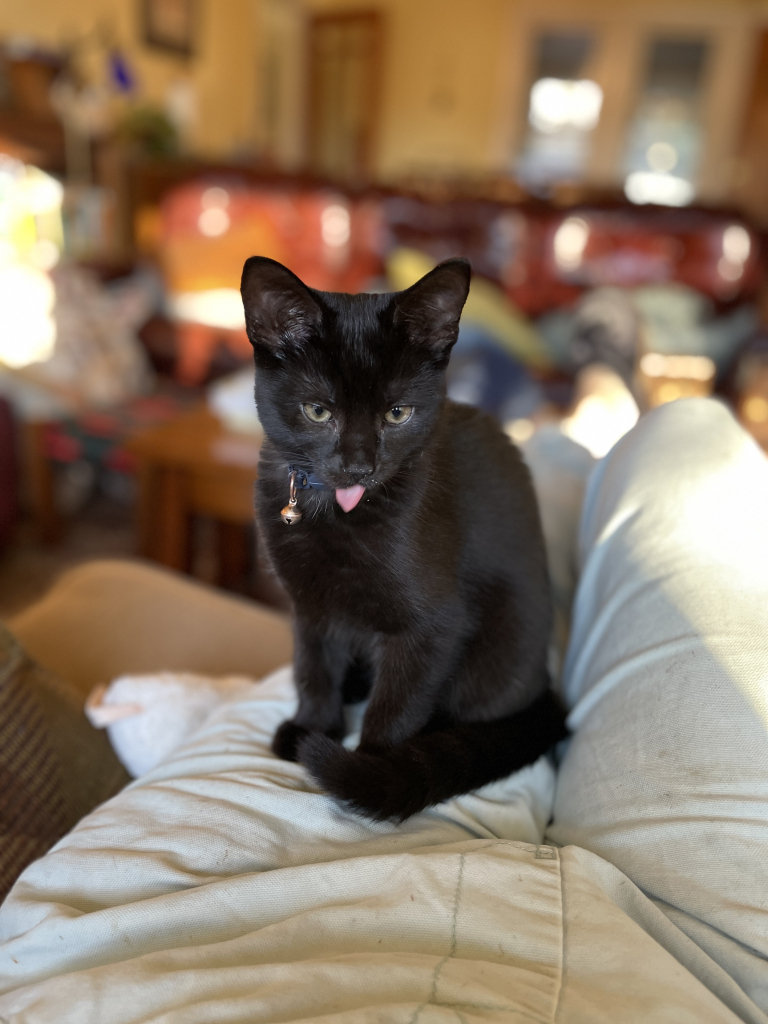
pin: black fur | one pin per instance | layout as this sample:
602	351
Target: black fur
432	592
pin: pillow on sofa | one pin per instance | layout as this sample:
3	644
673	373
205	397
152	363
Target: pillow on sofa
54	767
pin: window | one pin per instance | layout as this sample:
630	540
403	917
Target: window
563	109
665	135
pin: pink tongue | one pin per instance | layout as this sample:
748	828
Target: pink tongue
348	497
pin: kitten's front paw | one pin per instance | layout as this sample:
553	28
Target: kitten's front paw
286	740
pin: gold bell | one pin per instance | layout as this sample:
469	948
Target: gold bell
291	513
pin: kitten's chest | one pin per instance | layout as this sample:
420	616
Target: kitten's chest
366	580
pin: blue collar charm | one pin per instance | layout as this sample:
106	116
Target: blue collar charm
306	480
299	480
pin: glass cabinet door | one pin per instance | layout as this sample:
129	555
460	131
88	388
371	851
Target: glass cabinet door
664	137
564	105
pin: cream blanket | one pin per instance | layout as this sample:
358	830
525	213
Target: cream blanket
223	887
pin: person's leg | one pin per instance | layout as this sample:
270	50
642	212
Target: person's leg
666	775
560	469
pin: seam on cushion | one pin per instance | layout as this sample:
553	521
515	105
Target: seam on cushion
561	977
439	966
432	999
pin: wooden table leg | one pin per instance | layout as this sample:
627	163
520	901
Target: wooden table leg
232	553
172	520
146	502
39	479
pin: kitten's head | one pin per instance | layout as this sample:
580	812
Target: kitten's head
351	386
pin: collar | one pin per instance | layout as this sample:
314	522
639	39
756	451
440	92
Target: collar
304	481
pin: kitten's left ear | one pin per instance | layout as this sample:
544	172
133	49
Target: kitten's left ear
280	310
430	309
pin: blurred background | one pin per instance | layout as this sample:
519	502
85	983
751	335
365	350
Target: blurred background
603	165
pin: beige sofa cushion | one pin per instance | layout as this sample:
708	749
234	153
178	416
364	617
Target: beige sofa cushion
110	617
99	621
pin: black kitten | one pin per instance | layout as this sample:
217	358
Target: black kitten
418	571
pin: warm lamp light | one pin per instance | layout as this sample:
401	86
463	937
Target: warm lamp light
27	328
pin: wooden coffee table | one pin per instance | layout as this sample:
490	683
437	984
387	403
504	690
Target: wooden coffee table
193	465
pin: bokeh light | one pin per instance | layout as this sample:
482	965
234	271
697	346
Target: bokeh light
557	103
335	226
31	240
27	328
570	242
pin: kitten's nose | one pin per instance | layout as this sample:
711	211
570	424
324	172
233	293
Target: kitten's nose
358	468
357	451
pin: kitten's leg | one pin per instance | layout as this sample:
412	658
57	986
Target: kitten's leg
409	675
502	666
320	665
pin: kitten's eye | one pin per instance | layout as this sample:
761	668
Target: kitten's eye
316	413
398	413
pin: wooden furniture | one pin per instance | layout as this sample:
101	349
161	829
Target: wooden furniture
39	482
193	465
30	129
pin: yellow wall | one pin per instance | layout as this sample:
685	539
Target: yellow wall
223	71
455	73
441	85
442	77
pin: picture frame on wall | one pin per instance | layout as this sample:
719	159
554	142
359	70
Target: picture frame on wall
170	25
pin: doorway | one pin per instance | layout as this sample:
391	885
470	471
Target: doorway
344	81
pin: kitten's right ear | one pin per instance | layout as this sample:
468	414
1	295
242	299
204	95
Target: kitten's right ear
430	310
280	311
